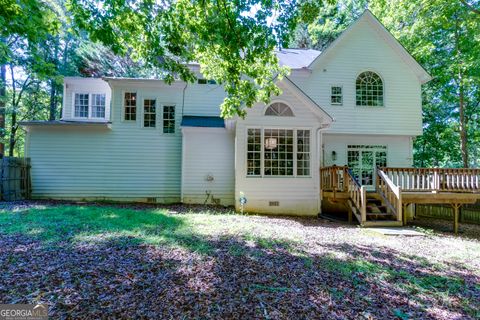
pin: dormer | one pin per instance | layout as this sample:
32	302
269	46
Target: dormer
86	99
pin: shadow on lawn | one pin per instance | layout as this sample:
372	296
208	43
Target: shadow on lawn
87	224
122	276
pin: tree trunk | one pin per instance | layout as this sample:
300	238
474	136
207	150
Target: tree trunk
3	71
463	125
461	95
13	133
53	100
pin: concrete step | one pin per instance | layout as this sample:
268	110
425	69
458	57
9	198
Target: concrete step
382	223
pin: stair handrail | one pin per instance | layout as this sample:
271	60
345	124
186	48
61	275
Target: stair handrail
390	193
358	195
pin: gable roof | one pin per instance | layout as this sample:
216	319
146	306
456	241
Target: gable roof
422	75
315	107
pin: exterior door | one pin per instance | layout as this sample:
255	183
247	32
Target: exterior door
363	159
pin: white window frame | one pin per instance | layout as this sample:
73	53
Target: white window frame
143	112
278	101
331	95
136	109
163	105
90	105
262	152
383	90
90	113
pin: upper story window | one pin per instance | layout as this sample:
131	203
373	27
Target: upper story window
130	106
336	96
98	105
81	105
369	87
89	106
279	109
149	114
168	119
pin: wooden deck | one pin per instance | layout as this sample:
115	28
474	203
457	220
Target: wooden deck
396	188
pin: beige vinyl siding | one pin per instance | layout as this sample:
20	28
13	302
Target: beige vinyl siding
208	152
364	50
124	162
77	163
399	148
203	99
296	196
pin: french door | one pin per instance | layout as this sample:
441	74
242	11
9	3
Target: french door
363	159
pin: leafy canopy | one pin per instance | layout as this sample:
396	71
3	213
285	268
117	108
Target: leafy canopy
233	41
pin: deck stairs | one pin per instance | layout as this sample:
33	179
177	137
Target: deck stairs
377	213
385	203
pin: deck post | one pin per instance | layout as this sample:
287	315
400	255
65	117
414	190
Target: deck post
363	201
456	207
350	214
404	213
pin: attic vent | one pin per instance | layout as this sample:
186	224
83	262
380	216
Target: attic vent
273	204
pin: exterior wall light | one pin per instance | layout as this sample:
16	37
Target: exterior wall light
334	155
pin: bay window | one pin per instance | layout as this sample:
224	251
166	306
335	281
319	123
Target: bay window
278	152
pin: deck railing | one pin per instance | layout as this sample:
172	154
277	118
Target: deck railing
435	179
358	195
391	193
333	178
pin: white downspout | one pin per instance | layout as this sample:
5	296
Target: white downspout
320	162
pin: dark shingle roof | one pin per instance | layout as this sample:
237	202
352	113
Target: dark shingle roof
63	123
199	121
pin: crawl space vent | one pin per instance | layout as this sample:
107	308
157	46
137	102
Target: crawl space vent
274	203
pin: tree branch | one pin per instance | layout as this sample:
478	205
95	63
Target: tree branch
470	7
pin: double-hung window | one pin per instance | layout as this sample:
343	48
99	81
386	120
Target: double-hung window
130	106
89	105
81	105
168	119
149	114
336	96
98	105
278	152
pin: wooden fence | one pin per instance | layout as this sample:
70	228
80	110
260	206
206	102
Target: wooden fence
15	179
468	213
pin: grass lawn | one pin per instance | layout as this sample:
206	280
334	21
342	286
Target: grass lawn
100	261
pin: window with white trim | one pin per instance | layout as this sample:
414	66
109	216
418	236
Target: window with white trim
254	152
278	152
130	106
369	89
336	96
303	152
149	114
98	105
168	119
279	109
81	105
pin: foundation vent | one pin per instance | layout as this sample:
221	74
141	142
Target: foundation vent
151	200
273	204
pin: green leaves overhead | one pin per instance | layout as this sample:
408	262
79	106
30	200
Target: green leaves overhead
233	41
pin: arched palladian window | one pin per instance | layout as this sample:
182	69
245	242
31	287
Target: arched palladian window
369	90
279	109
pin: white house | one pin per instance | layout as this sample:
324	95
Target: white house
358	103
